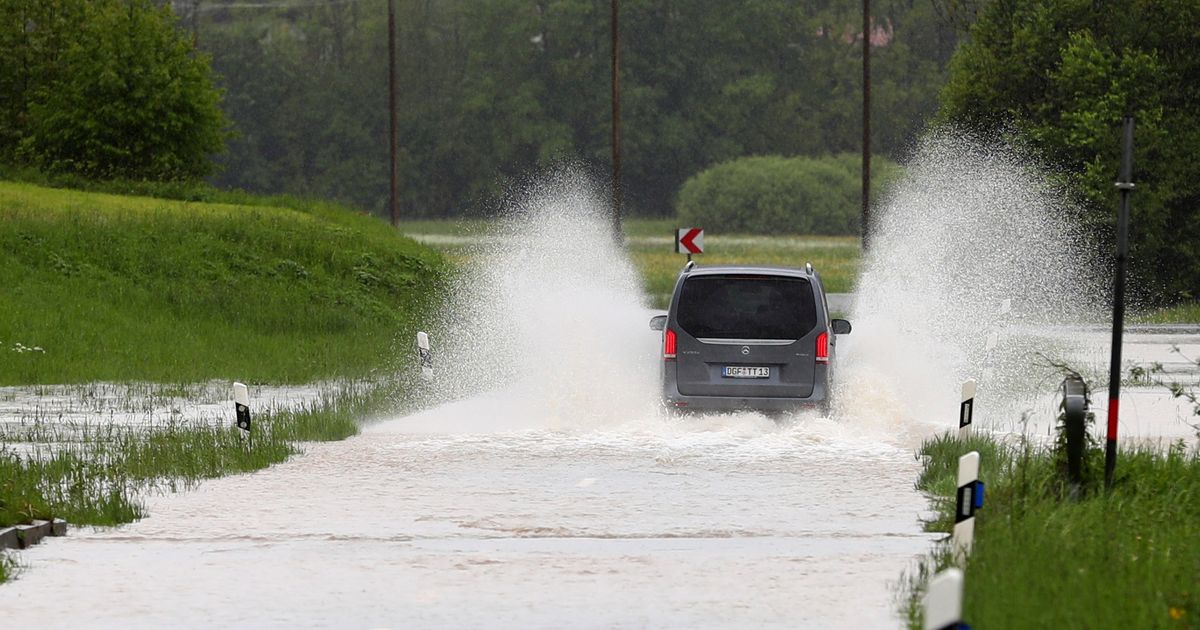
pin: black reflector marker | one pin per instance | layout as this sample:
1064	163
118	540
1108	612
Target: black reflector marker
968	499
966	410
425	356
241	402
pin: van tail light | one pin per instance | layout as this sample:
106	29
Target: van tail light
823	347
668	344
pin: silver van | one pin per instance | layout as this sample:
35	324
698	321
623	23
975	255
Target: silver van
739	337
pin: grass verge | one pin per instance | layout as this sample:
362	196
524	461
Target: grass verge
1125	558
651	246
100	287
1188	313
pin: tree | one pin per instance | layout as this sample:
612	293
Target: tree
111	89
1062	76
492	90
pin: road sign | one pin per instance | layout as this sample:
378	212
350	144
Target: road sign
689	241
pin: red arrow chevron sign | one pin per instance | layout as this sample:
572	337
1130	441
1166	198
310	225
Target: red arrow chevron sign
689	241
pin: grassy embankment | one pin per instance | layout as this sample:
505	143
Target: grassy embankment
1128	558
1187	313
652	247
119	288
116	288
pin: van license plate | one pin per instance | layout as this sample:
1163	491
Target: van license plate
742	371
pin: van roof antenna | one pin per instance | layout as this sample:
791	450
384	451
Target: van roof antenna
689	265
808	268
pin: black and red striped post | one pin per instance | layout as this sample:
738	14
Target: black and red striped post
1125	185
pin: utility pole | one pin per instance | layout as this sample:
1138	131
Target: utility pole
393	141
866	125
616	120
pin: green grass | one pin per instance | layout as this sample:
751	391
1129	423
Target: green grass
651	246
445	227
1188	313
118	288
8	567
834	257
1127	558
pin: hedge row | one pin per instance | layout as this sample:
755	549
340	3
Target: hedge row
773	194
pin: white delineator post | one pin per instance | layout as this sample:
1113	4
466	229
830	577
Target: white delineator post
943	601
966	409
968	499
425	356
241	403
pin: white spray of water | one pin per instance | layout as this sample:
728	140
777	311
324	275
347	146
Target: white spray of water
972	251
550	313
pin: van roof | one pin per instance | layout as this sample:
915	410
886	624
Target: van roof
749	269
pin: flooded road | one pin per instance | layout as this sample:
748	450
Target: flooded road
734	522
486	512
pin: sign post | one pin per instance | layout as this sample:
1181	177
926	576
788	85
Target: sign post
1114	373
943	601
966	410
1075	418
968	499
425	355
241	404
689	241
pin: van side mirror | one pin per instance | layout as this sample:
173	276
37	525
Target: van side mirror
840	327
658	322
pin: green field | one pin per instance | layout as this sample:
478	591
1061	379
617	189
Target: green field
651	246
118	288
1128	558
1187	313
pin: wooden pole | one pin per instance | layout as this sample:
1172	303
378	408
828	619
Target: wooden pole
393	140
866	125
616	119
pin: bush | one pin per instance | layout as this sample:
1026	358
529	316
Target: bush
106	89
773	194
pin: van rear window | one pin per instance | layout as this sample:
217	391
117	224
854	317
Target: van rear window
746	307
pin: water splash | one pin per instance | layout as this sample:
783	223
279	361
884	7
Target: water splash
973	251
551	312
547	329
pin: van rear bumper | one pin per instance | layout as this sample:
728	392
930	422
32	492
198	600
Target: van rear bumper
722	403
673	399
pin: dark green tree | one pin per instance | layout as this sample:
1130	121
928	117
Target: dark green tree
1062	76
107	89
491	91
33	37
